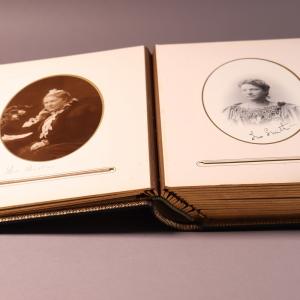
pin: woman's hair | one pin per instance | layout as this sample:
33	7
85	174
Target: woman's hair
66	96
257	82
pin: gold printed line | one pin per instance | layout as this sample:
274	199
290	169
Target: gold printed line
59	175
247	160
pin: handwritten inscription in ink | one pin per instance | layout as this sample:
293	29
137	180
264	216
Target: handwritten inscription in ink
12	170
283	127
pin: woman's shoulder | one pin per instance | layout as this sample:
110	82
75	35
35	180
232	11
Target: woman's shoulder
78	110
286	104
233	106
250	105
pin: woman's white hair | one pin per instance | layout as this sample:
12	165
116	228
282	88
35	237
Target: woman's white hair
59	94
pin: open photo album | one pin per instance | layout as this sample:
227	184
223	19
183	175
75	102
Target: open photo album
207	134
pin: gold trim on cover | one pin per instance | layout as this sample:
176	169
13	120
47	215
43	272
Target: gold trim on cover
74	211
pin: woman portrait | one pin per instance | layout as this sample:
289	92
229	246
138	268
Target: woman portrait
253	100
42	124
257	108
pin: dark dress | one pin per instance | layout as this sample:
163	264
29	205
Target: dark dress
68	131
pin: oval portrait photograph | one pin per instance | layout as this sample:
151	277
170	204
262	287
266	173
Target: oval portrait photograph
253	100
51	118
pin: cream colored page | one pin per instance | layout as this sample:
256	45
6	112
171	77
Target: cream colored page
120	141
188	135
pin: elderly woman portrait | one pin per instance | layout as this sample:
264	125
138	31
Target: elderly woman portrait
62	125
256	107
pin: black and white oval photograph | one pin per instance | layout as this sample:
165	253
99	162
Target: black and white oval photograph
253	100
51	118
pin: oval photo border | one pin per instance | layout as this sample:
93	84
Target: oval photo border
89	82
239	59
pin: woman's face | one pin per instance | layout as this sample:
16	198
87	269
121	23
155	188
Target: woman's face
53	103
252	92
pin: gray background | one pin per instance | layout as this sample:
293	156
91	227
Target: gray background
41	261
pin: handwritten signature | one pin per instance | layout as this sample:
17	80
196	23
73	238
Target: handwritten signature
12	170
269	132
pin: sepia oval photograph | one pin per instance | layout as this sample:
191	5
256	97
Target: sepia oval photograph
51	118
253	100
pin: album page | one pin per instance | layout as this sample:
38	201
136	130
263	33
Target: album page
230	112
73	126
